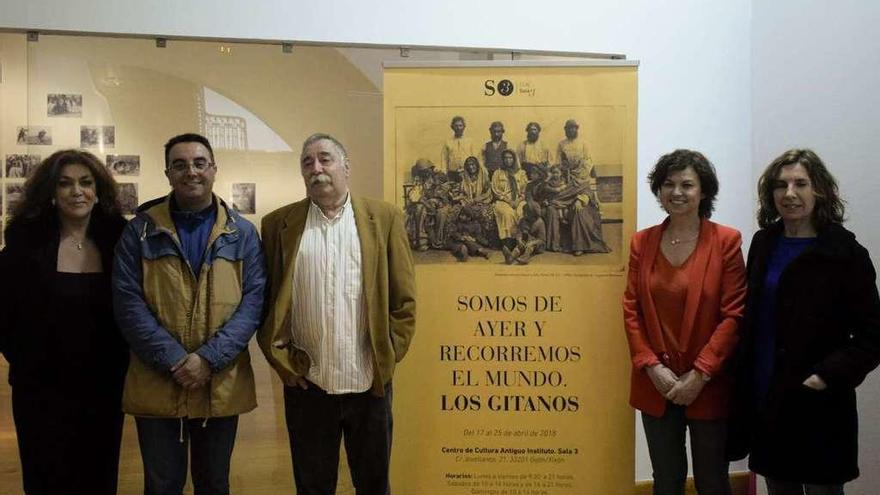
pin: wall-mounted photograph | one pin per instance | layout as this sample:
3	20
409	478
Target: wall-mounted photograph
92	136
128	198
14	197
124	164
37	135
244	198
64	105
21	166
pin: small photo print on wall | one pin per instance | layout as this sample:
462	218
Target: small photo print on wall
244	198
21	166
14	197
128	198
38	135
92	136
124	164
64	105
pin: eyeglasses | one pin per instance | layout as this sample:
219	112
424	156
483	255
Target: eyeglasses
200	164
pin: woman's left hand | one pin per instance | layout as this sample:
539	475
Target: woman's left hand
687	388
815	382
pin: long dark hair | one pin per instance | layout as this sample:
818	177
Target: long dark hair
515	159
39	189
829	206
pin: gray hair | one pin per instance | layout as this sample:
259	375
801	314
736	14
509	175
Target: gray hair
320	136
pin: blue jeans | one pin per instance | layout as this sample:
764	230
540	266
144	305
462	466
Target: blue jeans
164	443
318	421
666	447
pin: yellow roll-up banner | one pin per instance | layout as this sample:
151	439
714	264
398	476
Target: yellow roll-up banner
518	186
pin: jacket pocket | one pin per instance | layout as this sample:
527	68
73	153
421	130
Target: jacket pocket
232	389
300	360
148	392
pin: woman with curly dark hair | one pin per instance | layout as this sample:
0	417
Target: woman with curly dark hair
67	360
811	333
682	308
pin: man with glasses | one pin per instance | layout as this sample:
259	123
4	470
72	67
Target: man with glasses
188	282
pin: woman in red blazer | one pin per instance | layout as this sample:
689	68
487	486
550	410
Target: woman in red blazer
683	303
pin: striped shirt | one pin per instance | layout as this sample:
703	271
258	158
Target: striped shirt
329	318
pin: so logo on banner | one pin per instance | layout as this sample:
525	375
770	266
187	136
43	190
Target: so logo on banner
506	87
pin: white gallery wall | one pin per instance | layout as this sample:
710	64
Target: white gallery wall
740	80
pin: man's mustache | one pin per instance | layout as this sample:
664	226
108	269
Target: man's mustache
320	179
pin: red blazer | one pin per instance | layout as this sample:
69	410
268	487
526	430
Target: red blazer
713	310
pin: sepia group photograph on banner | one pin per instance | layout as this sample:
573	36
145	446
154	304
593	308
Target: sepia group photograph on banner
512	185
517	185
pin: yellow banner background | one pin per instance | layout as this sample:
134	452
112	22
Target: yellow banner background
517	379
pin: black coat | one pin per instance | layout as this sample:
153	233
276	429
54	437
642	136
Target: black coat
827	322
28	265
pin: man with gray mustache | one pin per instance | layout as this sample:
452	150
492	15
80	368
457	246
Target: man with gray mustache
341	314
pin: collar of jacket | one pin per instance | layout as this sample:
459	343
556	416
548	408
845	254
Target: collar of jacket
368	233
832	241
294	223
158	216
699	260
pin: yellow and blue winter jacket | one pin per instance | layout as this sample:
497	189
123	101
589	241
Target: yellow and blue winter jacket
165	312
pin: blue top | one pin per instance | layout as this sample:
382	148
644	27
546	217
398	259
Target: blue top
786	250
193	229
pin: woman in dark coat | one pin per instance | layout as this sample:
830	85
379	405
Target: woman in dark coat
811	334
67	360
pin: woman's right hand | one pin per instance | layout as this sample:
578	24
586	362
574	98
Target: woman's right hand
662	377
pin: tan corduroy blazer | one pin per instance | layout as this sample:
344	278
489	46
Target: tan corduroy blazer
388	278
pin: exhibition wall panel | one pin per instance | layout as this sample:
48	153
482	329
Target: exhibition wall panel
123	98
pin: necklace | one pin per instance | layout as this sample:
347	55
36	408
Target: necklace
676	241
78	243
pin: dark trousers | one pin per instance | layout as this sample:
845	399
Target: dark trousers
777	487
318	421
165	443
67	446
666	447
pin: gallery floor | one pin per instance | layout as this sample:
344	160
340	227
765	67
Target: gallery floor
260	462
